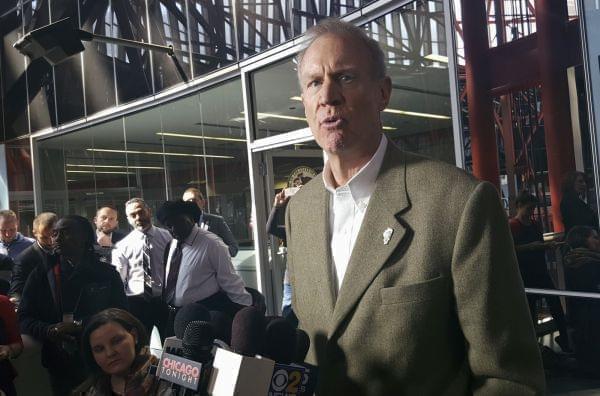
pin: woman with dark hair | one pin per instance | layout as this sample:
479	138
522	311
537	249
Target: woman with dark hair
114	346
11	345
582	273
573	207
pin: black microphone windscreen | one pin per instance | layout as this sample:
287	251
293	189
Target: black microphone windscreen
189	313
248	331
280	341
197	341
221	323
302	345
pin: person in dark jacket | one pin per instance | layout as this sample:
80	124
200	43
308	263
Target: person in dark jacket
6	265
582	274
573	206
59	298
34	255
211	222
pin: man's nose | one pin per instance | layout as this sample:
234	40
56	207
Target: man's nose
330	93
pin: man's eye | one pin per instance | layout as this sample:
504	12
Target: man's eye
346	78
314	83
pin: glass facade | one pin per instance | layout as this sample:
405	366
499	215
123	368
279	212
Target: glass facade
200	139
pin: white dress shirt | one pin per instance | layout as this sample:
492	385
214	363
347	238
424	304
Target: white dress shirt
205	269
127	257
347	207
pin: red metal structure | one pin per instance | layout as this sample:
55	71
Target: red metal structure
513	50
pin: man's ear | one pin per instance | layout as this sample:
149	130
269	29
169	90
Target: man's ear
386	92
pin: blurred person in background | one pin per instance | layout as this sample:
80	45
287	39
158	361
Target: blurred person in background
107	235
574	207
531	255
107	224
33	256
12	242
10	345
211	222
582	274
115	350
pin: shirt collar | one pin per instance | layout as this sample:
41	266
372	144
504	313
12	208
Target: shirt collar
141	234
192	237
17	239
362	184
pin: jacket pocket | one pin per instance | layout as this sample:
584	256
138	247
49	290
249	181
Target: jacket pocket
421	291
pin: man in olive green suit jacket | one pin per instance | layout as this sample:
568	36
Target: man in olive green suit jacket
431	302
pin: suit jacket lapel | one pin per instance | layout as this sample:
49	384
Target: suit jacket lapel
370	253
317	267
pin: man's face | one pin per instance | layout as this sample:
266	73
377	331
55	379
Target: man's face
196	198
8	229
67	237
180	226
106	220
138	216
342	98
43	234
580	185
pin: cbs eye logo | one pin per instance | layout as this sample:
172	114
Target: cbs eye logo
286	381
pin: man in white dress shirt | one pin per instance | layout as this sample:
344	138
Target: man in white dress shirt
139	260
198	264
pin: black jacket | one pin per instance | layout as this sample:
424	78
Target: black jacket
217	225
576	212
99	286
25	262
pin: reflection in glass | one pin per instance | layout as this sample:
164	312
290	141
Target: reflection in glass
418	117
132	65
205	148
14	85
262	25
309	13
39	73
20	182
84	170
212	34
277	99
291	166
99	81
168	26
145	157
68	76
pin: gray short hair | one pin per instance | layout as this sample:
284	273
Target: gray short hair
337	27
9	214
44	219
137	200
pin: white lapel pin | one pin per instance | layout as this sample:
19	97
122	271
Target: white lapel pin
387	235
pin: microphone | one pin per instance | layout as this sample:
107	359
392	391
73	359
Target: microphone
248	331
197	342
280	341
189	313
221	323
197	345
289	346
302	345
241	372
